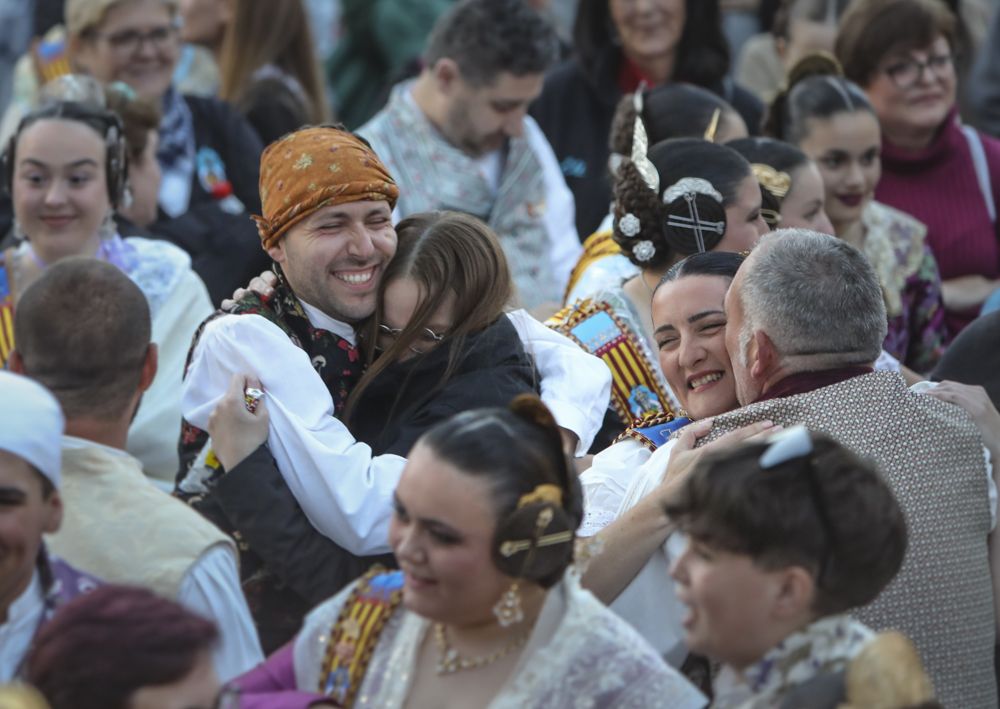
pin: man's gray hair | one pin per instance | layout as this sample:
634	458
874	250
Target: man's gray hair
816	297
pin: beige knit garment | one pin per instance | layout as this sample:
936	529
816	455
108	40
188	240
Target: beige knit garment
120	528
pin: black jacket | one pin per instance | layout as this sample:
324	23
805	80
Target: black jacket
575	112
253	503
225	248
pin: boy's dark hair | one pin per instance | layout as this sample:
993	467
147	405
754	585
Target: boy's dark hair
829	512
488	37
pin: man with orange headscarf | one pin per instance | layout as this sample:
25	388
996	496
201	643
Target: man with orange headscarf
327	224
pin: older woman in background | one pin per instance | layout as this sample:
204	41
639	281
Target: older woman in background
207	152
947	175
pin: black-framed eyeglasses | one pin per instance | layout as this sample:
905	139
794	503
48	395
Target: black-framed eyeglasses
425	341
908	72
131	42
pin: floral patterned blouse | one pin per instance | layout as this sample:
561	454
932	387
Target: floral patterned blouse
911	286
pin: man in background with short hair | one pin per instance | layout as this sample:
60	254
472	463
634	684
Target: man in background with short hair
458	137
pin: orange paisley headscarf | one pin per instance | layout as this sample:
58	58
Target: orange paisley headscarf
314	168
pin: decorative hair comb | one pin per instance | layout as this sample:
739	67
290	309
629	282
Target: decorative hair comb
640	146
689	188
713	126
787	445
552	495
776	182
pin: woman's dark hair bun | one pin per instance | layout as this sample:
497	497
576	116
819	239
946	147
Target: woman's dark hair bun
530	408
816	64
711	218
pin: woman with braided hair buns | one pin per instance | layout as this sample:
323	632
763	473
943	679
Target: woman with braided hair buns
832	121
687	196
670	111
486	609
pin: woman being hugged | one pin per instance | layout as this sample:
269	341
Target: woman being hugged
946	174
687	196
832	121
483	612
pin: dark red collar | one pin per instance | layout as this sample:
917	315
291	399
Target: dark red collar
630	76
804	382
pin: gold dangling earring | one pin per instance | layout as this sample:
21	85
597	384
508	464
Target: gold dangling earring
508	609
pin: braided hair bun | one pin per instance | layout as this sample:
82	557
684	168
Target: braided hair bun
816	88
537	499
527	541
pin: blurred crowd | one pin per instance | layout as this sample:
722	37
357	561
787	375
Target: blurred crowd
507	353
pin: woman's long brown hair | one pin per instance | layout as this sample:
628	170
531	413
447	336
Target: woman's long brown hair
265	32
446	253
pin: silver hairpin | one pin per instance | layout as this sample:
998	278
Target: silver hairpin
640	146
691	185
787	445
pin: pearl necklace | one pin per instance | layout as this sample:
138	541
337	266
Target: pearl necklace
449	661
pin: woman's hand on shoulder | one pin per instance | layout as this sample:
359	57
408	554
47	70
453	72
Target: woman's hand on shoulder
236	431
979	406
685	455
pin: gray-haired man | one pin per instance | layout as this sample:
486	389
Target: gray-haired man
805	324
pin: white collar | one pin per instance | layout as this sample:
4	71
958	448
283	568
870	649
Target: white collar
321	320
27	607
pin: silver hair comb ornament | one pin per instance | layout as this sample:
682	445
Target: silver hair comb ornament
691	185
640	146
688	189
787	445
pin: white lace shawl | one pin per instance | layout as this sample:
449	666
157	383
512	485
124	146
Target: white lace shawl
579	656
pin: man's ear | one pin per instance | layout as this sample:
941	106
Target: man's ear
54	516
446	75
795	593
149	367
16	362
766	356
277	252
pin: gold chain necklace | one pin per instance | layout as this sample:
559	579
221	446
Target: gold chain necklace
449	661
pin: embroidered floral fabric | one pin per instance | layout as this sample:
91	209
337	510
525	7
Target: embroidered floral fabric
826	646
911	285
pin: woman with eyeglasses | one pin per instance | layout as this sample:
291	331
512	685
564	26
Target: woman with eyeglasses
439	343
208	153
946	174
